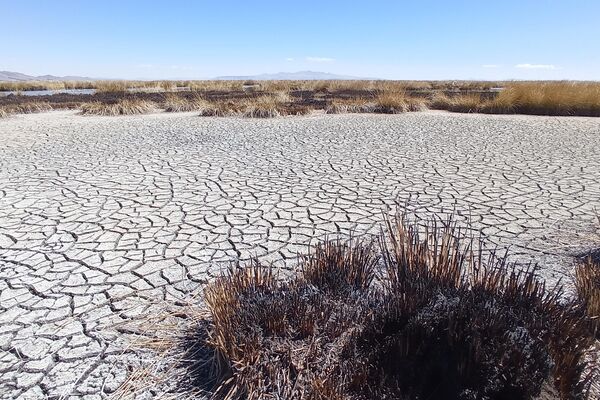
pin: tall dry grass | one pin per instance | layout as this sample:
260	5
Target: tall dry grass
547	98
121	107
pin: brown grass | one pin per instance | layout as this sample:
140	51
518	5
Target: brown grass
434	319
547	98
386	102
344	106
112	86
4	113
468	103
264	98
587	282
121	107
176	103
28	107
266	106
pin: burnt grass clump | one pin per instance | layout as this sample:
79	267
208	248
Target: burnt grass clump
418	315
587	283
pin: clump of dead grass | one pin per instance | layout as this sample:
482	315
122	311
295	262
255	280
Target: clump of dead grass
28	107
548	98
587	283
221	108
266	106
4	113
32	107
121	107
344	106
385	102
366	322
466	103
177	103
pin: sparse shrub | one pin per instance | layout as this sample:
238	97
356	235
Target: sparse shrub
121	107
437	323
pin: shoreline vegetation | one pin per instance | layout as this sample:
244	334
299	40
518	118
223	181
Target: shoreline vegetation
265	99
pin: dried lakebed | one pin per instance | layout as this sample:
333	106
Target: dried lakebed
103	218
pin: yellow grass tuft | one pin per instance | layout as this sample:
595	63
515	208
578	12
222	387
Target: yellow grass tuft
122	107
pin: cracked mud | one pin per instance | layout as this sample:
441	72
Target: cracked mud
102	217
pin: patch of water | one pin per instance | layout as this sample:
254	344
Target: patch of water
48	92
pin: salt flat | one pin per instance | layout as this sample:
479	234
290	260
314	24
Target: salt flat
103	217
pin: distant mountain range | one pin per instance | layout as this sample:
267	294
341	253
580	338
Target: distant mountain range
286	76
283	76
17	76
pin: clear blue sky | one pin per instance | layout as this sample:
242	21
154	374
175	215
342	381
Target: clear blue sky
424	39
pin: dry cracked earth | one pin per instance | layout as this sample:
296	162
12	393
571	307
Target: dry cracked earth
101	218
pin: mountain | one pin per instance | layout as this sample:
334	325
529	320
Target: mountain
286	76
17	76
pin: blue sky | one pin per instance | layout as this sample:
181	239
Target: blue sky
424	39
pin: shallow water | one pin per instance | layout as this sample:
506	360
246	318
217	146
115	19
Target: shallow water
48	92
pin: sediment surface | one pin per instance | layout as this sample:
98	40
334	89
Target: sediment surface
103	217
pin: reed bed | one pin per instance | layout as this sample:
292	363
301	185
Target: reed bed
4	113
121	107
416	314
